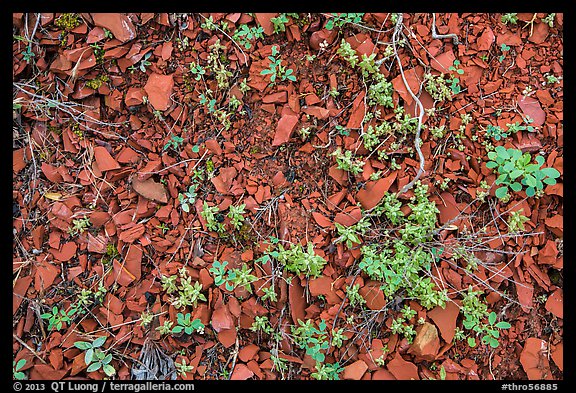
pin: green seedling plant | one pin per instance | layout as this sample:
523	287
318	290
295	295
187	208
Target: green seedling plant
276	70
165	328
185	324
496	132
183	368
240	278
244	35
354	296
279	23
510	18
175	142
339	20
56	318
454	82
16	367
328	371
188	198
346	162
313	340
209	214
475	311
261	324
185	294
298	261
95	358
236	215
79	226
515	170
504	48
350	235
516	221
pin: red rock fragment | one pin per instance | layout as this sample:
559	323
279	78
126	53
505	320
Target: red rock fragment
150	189
241	372
555	303
401	369
426	344
534	360
445	319
284	129
159	89
104	160
531	108
119	25
355	371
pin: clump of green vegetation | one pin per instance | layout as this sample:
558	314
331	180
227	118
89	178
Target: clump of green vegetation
339	20
510	18
181	290
475	312
300	261
16	367
188	198
95	358
67	21
187	325
402	262
236	215
515	170
79	226
209	213
95	83
245	35
516	221
438	87
346	162
276	70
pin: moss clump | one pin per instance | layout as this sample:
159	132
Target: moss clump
95	83
68	21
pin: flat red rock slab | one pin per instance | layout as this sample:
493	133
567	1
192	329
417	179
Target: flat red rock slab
358	112
227	337
534	359
373	295
355	371
373	193
223	182
316	111
443	61
383	375
66	252
524	291
284	129
413	77
119	25
297	301
401	369
349	218
241	372
150	189
104	160
426	343
445	319
222	319
557	355
531	108
248	352
19	292
555	303
485	41
159	88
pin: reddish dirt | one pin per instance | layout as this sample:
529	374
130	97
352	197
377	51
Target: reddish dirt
98	102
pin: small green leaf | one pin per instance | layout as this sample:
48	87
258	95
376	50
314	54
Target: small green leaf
20	364
501	192
471	342
82	345
494	343
177	329
109	370
88	356
516	186
107	359
186	207
94	367
530	191
492	318
503	325
491	165
99	342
